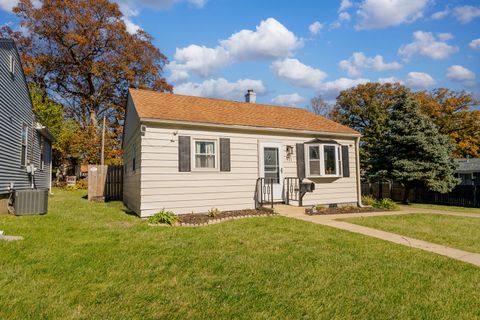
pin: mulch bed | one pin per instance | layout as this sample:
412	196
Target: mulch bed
312	212
200	219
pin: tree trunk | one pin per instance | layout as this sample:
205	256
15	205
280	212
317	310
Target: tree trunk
93	118
406	195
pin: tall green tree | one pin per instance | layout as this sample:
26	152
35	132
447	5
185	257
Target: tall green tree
366	108
416	154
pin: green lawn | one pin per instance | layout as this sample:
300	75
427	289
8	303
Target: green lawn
453	231
445	208
93	261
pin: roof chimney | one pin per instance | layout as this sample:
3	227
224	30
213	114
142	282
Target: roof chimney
251	96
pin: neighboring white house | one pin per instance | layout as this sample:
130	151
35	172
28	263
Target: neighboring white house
190	154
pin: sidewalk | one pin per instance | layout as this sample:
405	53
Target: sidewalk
330	220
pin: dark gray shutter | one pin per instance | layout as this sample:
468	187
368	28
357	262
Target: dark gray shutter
345	162
184	154
300	160
225	154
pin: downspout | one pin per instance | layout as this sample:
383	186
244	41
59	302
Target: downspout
357	166
51	170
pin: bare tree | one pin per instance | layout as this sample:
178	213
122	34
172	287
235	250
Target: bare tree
320	107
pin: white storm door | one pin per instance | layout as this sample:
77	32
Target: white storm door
271	167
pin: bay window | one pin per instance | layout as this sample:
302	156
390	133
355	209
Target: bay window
323	160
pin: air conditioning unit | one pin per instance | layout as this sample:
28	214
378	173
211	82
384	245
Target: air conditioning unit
29	202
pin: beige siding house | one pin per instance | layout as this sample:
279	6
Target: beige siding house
191	154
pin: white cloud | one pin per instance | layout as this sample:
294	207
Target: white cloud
315	27
445	36
390	80
221	88
419	80
427	45
458	73
8	5
131	8
297	73
465	14
176	74
474	44
344	5
132	28
330	89
270	40
344	16
290	100
301	75
335	25
374	14
201	60
440	14
359	61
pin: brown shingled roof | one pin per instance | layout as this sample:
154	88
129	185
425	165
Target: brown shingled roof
168	106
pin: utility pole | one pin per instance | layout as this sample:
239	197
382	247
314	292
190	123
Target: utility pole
103	142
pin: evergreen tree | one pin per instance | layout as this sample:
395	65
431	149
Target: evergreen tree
417	155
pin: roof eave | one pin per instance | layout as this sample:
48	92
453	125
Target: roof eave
45	132
245	127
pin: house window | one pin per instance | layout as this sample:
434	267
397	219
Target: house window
323	160
24	145
205	154
42	153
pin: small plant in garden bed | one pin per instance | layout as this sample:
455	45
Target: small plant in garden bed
214	212
163	217
319	207
368	200
386	204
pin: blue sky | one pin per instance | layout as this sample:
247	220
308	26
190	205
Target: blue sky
290	51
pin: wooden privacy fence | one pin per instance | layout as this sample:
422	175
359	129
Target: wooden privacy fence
464	196
105	183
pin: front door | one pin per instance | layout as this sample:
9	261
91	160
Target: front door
271	166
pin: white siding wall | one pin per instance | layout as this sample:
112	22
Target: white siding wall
162	186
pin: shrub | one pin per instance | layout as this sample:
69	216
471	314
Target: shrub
387	204
368	200
82	184
213	212
319	207
163	217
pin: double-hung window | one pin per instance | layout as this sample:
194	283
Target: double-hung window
23	159
205	154
323	160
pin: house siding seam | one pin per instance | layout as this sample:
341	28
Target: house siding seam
162	186
16	109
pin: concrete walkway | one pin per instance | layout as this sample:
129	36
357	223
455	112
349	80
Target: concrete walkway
330	220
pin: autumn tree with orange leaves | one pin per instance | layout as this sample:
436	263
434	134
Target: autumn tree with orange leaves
368	107
80	53
454	115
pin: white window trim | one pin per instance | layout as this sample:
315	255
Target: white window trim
193	154
338	160
24	161
42	153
